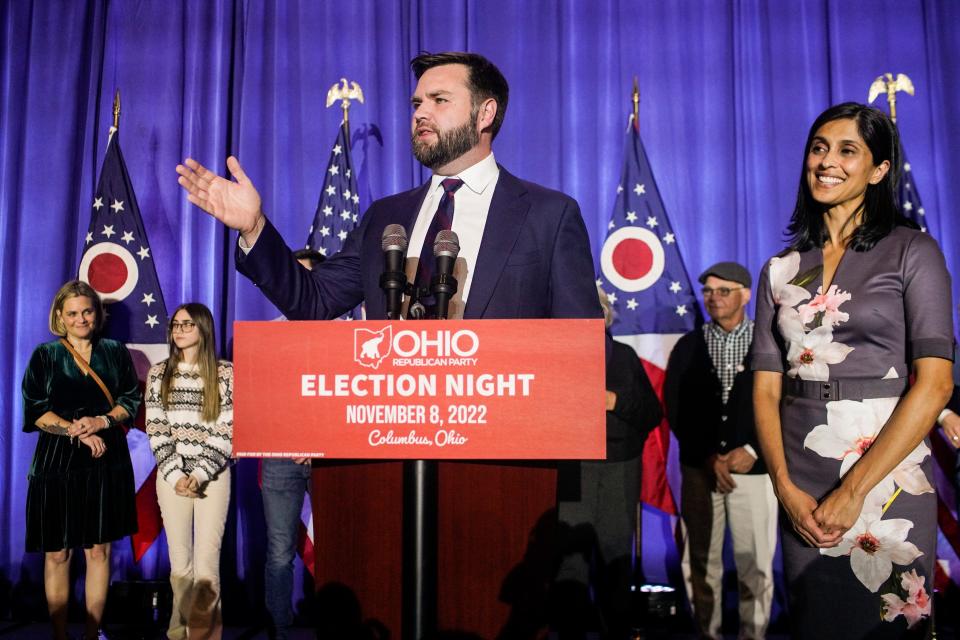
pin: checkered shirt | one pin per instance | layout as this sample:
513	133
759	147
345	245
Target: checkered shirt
728	351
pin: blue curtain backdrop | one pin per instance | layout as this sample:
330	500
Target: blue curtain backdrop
728	89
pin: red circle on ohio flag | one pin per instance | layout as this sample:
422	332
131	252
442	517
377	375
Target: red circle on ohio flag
107	273
111	270
632	259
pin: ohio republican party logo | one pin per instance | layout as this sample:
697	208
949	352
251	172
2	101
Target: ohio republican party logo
427	347
632	258
371	347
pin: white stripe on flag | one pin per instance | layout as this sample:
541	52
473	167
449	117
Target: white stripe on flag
653	347
306	517
154	352
141	457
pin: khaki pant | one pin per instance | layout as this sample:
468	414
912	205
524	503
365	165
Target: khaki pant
194	529
750	511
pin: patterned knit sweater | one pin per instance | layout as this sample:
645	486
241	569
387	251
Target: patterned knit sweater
180	439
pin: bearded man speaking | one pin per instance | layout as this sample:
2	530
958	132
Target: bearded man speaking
524	250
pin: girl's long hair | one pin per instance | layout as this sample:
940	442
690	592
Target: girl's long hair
206	360
881	211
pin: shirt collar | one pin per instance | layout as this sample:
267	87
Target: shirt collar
476	178
738	330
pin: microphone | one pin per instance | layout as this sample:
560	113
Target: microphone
443	285
393	279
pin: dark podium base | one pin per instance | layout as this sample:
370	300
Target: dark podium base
495	524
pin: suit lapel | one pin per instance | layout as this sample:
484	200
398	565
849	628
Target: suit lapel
409	206
400	209
508	210
403	211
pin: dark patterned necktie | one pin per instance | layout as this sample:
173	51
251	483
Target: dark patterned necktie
442	219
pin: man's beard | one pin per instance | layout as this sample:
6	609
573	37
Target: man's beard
450	145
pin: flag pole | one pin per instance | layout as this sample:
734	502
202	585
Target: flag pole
116	110
636	104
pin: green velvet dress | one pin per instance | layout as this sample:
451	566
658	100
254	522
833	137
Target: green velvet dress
74	499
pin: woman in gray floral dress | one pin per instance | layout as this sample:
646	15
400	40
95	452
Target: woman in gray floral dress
856	304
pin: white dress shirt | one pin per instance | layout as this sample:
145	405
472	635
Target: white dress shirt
471	206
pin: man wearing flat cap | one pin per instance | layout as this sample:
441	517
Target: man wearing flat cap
708	393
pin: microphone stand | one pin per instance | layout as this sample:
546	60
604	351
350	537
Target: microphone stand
421	476
420	497
420	549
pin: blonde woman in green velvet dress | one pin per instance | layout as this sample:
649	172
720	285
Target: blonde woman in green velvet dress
81	491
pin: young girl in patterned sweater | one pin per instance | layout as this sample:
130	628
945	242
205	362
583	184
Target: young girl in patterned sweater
190	424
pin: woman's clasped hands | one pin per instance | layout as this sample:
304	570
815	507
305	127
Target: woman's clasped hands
85	429
820	525
188	487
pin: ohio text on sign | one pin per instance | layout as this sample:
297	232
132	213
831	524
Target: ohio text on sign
469	389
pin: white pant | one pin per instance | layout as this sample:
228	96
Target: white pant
750	511
194	529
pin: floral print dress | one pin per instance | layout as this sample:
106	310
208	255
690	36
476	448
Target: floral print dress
845	354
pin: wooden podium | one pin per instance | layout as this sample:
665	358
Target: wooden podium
496	401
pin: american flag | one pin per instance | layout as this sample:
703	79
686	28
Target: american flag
118	264
948	534
339	207
338	212
909	197
653	300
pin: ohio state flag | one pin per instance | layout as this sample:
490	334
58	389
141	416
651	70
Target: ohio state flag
653	300
118	264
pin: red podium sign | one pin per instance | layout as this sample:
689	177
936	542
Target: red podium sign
468	389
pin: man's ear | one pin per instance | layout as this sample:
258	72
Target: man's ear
488	111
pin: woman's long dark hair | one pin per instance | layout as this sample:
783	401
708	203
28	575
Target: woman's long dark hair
881	211
206	360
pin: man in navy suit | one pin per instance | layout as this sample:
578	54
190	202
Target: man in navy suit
524	253
524	250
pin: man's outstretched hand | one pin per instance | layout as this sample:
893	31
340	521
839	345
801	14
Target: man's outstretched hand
235	204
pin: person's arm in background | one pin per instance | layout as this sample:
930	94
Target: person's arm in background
676	365
949	418
742	441
633	400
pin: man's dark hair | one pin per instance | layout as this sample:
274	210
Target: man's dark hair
483	79
315	257
881	212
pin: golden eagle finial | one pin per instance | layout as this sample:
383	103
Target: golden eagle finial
887	83
344	92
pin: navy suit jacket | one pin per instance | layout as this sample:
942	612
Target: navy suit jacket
534	260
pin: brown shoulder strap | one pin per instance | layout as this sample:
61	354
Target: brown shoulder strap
87	369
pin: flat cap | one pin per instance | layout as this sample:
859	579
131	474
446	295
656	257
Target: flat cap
728	271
